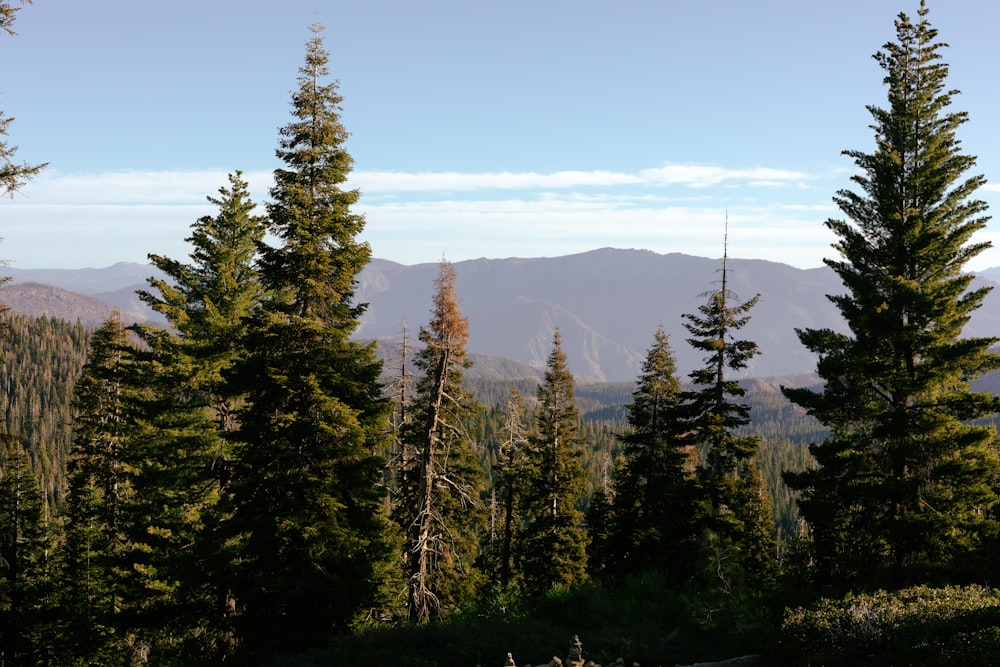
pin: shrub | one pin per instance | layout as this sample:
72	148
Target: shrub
915	626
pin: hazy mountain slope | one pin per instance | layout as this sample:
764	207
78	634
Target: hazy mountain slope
607	303
114	286
37	300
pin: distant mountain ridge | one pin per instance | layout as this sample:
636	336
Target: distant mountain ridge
606	303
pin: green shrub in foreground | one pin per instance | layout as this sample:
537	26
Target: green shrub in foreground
915	626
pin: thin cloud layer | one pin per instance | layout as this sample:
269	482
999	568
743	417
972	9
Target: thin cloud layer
682	175
72	220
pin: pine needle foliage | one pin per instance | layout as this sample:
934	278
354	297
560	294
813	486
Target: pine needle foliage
308	525
740	534
552	547
655	491
903	490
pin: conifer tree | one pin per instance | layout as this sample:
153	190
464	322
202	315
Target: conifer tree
508	484
602	528
207	301
96	573
655	499
27	625
740	527
444	518
553	545
191	413
12	175
311	536
905	485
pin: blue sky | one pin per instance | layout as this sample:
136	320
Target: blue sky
479	129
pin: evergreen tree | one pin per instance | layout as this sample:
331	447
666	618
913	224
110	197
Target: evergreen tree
26	606
207	301
740	527
602	533
183	457
552	551
656	494
444	518
311	537
96	575
508	485
904	486
12	175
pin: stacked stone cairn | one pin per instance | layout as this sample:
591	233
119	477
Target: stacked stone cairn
574	658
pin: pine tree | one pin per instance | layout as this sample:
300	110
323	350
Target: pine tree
185	458
602	527
552	551
444	518
655	500
308	522
904	486
740	527
207	301
97	576
12	175
26	603
508	484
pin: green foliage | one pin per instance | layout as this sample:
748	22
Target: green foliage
99	584
186	456
904	486
644	619
306	521
914	626
552	547
738	522
506	515
41	360
27	604
653	522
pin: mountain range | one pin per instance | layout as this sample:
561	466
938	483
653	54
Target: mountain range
606	304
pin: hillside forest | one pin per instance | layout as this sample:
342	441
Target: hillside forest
252	484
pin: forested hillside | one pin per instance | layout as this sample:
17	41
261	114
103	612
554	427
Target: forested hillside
42	359
46	356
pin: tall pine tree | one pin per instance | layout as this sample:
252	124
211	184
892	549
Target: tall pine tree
740	537
552	548
444	519
308	521
98	584
904	486
186	454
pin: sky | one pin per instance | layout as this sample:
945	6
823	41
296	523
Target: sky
485	128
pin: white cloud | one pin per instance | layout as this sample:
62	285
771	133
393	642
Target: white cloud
700	176
73	220
682	175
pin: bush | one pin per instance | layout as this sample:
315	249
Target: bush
643	619
915	626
